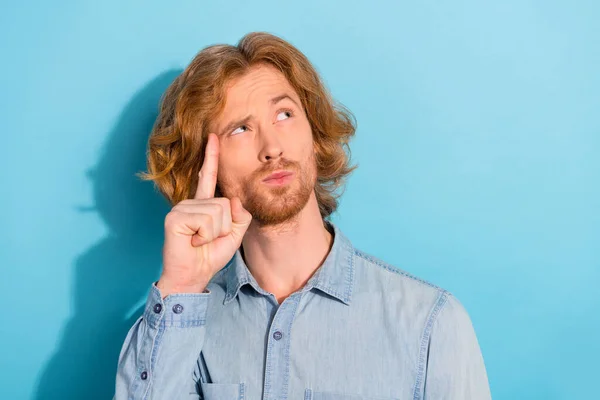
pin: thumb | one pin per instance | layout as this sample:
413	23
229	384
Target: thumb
240	217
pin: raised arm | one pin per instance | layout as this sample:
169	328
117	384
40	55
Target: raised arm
201	235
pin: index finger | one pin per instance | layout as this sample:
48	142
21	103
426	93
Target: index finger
207	180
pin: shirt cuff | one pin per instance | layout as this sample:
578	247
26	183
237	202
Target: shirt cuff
180	310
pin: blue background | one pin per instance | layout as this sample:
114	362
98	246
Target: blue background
478	143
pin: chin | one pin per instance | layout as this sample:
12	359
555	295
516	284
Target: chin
278	206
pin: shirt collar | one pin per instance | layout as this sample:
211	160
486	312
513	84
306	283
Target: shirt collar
334	277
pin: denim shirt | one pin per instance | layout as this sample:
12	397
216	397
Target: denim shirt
359	329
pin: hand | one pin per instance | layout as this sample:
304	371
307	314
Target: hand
201	234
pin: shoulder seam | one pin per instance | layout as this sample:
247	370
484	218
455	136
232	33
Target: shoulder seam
391	268
442	300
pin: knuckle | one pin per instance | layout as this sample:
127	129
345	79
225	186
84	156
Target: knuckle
206	222
212	208
224	202
172	217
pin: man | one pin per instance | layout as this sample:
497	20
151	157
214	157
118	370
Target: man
261	296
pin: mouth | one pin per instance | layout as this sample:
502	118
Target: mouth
279	178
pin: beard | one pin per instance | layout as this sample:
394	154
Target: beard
274	205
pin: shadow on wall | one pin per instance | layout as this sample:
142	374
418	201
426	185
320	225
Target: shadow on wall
113	275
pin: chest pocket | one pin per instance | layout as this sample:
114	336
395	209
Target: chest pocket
223	391
309	394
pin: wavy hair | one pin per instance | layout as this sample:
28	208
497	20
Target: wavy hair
177	142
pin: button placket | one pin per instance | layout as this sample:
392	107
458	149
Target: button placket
277	358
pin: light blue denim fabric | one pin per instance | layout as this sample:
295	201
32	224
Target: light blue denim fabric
359	329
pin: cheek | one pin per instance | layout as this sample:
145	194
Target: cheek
238	154
300	139
310	149
234	169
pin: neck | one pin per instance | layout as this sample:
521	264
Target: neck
277	256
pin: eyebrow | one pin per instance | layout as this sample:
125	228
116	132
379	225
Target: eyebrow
247	118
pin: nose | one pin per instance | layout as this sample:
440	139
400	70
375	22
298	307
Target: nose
271	147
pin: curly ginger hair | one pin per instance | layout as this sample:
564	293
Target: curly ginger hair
176	145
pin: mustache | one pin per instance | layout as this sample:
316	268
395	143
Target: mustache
268	169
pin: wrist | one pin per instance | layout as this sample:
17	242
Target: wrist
166	288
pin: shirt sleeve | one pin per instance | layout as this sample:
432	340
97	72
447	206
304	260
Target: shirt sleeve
455	367
159	355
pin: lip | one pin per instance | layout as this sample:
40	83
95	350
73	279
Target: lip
278	175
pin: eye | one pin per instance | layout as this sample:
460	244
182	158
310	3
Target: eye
241	127
286	112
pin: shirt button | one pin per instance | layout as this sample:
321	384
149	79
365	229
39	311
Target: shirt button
144	375
177	308
157	308
277	335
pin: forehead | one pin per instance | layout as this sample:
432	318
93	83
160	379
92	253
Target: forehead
261	82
